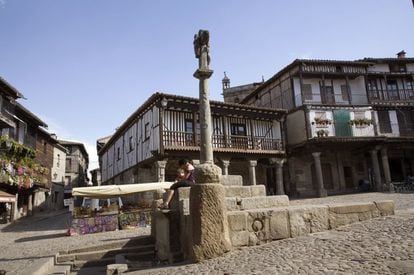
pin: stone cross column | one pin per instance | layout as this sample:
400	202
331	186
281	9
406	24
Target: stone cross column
210	236
252	171
376	168
279	177
321	191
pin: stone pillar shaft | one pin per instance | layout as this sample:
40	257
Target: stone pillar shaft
279	178
252	171
206	146
226	164
376	169
386	168
321	192
161	170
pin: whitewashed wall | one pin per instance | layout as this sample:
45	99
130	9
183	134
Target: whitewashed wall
358	90
379	68
410	67
296	127
59	165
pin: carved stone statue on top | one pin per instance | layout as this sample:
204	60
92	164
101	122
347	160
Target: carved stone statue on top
202	48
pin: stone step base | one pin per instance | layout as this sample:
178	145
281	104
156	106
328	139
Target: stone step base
99	254
258	226
142	240
63	269
237	203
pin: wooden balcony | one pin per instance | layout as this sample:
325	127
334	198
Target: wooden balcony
184	140
400	95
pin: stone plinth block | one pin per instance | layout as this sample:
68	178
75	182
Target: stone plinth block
258	222
209	221
231	180
231	204
238	191
264	202
343	214
237	220
308	219
258	190
239	238
207	173
347	208
279	224
180	194
385	207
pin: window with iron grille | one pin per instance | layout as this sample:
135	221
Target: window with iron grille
307	91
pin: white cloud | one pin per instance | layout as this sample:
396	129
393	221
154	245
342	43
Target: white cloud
3	4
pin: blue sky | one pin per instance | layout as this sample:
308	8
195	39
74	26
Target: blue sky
86	65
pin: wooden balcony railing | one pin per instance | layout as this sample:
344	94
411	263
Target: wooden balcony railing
183	139
391	95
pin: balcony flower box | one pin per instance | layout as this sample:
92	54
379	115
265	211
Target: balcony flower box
362	122
322	121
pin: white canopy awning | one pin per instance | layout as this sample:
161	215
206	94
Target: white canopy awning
109	191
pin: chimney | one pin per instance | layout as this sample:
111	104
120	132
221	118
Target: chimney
401	54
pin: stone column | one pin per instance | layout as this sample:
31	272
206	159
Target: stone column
161	170
15	210
375	166
226	164
320	190
252	171
279	177
210	236
386	168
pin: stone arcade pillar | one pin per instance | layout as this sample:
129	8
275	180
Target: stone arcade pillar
375	166
321	191
161	170
252	171
226	164
207	197
386	168
279	177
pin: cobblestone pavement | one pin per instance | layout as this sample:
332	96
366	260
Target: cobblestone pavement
43	235
380	246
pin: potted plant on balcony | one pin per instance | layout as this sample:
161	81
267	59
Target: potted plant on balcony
322	133
360	122
322	121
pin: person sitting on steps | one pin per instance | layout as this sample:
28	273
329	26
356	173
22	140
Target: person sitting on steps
185	178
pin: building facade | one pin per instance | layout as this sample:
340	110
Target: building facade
26	154
77	162
247	141
347	121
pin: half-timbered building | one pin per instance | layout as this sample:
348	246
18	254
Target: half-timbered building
347	121
247	141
